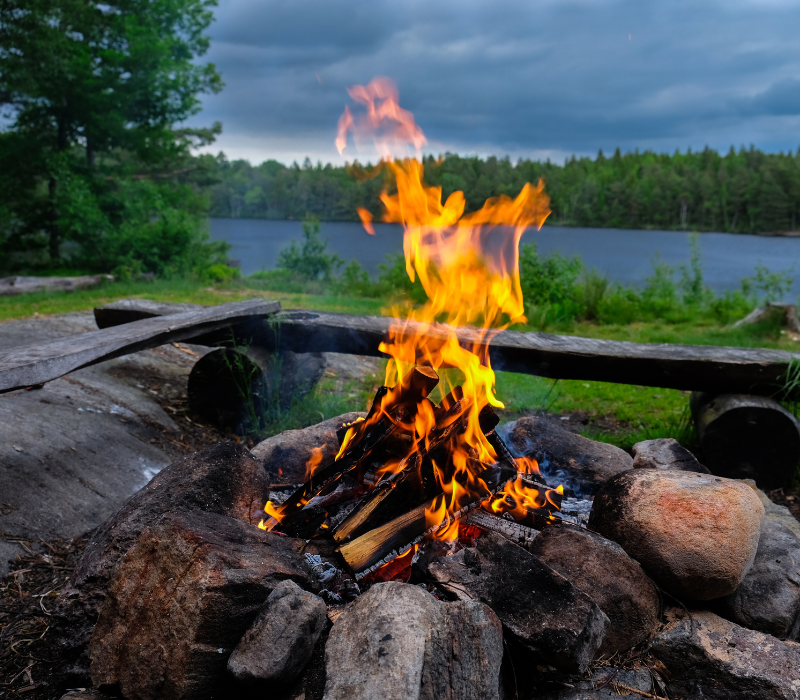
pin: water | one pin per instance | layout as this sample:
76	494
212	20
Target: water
623	255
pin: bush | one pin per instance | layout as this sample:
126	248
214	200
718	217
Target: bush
309	261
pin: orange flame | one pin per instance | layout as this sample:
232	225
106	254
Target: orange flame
314	462
468	266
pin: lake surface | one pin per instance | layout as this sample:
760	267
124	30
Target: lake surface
623	255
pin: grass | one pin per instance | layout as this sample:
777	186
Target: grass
617	413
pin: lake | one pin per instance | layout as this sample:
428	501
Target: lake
623	255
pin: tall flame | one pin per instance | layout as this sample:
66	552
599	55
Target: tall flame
468	266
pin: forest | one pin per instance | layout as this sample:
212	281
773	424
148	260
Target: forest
745	191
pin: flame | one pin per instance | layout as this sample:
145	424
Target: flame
314	462
517	500
468	265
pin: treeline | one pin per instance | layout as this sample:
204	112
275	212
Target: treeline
748	191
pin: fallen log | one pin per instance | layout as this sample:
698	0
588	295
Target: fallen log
35	364
11	286
128	310
747	437
785	313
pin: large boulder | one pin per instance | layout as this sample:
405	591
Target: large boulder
278	645
695	534
580	464
712	658
180	600
552	620
665	453
603	571
397	642
285	456
768	599
223	479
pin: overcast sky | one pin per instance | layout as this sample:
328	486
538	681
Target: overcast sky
525	78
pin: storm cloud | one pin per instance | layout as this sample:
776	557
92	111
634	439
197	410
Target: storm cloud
524	78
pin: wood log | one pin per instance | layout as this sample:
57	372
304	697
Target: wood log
375	548
787	314
511	530
11	286
747	437
31	365
687	367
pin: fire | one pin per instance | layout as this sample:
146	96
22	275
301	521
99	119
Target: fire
468	265
314	462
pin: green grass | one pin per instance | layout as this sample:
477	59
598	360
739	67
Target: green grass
617	413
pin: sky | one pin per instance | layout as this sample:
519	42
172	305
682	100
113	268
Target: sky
524	78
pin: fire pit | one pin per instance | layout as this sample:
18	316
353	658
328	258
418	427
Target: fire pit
438	554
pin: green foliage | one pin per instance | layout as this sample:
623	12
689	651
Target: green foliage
89	156
309	261
741	192
772	285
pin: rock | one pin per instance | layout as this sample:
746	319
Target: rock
551	618
285	456
580	464
665	453
601	569
222	479
773	511
710	657
8	554
696	535
600	685
768	599
278	645
180	600
397	642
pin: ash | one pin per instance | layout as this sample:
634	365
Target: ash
576	510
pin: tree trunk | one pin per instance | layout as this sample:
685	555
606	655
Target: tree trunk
53	229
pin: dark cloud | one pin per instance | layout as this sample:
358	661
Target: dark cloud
512	76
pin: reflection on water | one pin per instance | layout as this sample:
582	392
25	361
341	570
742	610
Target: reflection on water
624	255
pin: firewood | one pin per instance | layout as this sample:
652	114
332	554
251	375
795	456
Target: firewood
379	546
511	530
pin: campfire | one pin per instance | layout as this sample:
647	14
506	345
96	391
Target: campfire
544	560
414	467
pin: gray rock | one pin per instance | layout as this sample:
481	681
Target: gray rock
604	684
695	535
285	456
397	642
665	453
710	657
768	599
553	620
603	571
278	645
180	600
582	465
8	554
772	511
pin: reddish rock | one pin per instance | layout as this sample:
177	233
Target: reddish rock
222	479
285	455
696	535
397	642
603	571
712	658
180	600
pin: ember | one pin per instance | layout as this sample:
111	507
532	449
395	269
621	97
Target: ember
413	468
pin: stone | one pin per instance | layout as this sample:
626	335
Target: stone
180	600
768	599
710	657
278	645
398	642
603	684
9	551
665	453
603	571
285	455
773	511
695	535
580	464
553	620
223	479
